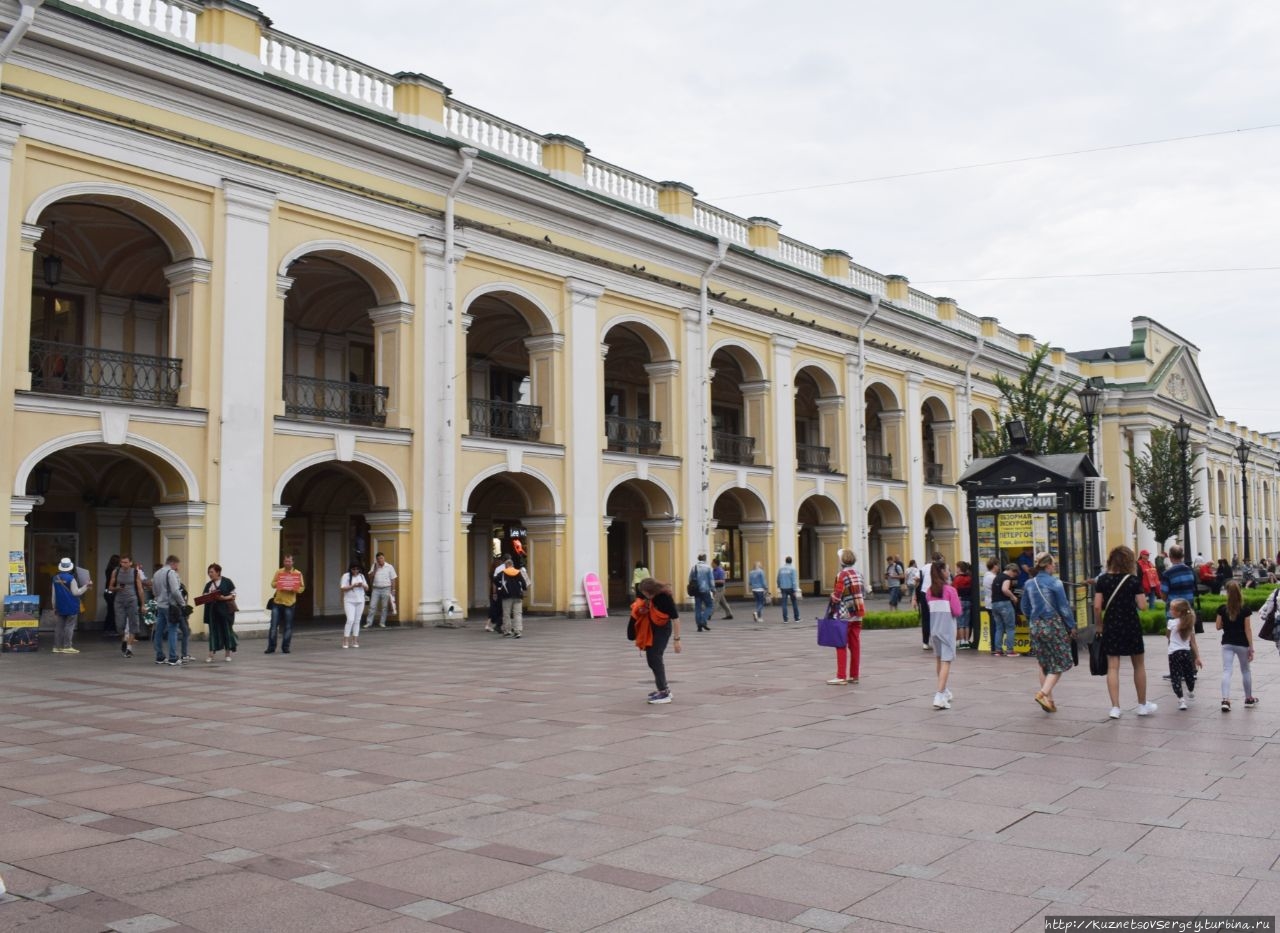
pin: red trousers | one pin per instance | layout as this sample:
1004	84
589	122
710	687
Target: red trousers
849	660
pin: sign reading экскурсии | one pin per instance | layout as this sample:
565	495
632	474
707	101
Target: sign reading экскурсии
1037	501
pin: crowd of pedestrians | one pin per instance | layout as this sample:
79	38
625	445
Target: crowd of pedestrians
1027	587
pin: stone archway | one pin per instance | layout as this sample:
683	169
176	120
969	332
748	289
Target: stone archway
640	527
821	534
886	535
92	500
514	514
331	514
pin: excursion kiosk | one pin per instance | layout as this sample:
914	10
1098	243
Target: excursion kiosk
1024	503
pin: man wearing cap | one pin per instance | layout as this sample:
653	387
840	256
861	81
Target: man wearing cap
66	606
1149	576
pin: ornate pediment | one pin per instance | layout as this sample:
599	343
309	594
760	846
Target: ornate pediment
1181	383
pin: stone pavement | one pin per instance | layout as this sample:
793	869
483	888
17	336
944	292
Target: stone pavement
449	780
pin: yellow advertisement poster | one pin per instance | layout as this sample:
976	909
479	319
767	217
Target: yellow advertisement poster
1014	529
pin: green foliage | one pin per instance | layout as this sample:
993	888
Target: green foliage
1158	478
1045	407
887	620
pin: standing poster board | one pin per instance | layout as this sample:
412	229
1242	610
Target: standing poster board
17	573
596	605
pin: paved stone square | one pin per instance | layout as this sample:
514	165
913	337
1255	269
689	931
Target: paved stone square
446	780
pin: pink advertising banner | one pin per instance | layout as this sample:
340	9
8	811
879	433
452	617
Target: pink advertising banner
595	596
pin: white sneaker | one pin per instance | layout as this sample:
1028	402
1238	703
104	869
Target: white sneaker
1146	709
1191	696
926	648
836	681
940	701
947	693
1182	704
1115	712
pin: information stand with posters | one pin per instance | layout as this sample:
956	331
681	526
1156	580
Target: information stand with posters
1020	504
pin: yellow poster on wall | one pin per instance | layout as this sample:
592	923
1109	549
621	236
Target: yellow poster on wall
1014	529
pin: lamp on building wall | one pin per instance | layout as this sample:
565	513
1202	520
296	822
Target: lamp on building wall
41	478
1182	431
52	262
1242	454
1088	397
1016	432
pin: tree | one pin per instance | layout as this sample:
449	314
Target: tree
1045	407
1158	478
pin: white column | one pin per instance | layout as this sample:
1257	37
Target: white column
1201	536
248	284
856	454
1146	537
913	471
697	439
437	556
586	437
783	456
9	133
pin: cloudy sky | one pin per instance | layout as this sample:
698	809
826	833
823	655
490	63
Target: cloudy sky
798	111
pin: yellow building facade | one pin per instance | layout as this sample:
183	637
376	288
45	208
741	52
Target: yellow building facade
261	298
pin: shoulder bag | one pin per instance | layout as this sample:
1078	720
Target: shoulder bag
1268	630
1097	660
833	632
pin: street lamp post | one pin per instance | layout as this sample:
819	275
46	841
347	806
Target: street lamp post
1089	396
1242	454
1182	430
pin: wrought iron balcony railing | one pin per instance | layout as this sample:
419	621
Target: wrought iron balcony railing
811	458
504	419
933	474
880	466
69	369
633	434
335	400
733	448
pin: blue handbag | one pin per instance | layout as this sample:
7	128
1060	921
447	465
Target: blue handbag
833	633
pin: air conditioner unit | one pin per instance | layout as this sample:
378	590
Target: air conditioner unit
1095	494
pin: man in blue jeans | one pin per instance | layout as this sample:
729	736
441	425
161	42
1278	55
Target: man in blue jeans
702	583
287	582
166	586
788	583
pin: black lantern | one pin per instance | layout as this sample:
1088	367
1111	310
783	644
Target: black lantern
1089	396
41	478
52	262
1242	454
1016	431
1182	431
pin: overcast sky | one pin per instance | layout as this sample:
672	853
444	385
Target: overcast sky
748	101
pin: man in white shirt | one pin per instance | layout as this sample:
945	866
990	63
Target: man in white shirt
382	580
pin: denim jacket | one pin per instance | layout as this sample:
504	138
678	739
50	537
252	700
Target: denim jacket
787	578
1044	597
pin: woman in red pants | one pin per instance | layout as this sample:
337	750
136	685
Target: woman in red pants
846	599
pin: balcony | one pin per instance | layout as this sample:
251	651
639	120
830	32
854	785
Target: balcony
880	466
335	400
504	419
733	448
813	459
933	474
633	435
88	372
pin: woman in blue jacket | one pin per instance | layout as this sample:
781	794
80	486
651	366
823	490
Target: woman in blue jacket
1044	603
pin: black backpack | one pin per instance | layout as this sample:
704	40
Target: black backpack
511	585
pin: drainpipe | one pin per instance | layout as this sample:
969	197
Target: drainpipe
704	432
25	17
448	348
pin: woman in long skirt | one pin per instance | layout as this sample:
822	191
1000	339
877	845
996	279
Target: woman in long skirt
218	617
1045	604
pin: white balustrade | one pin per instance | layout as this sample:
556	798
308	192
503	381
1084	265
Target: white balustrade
619	183
720	224
336	74
969	324
795	253
491	133
921	303
173	19
866	280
